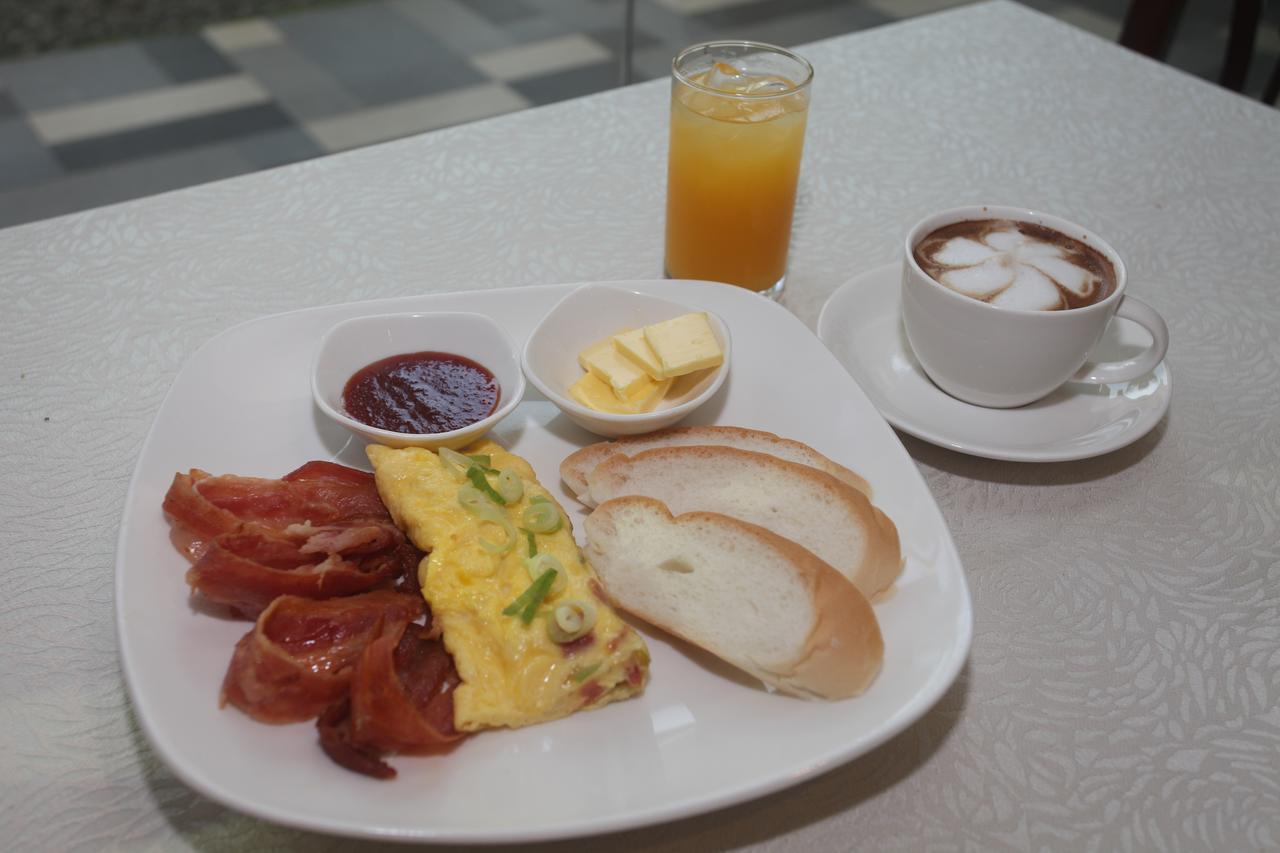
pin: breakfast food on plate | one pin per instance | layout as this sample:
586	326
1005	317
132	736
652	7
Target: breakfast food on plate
812	508
749	596
341	629
519	609
318	532
575	468
631	371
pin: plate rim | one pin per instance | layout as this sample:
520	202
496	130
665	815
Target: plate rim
940	680
911	426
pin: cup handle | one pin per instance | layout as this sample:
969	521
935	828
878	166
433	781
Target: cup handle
1133	368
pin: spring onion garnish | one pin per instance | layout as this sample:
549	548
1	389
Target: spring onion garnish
541	516
476	503
478	479
571	620
583	673
454	462
542	563
484	460
509	485
526	606
533	542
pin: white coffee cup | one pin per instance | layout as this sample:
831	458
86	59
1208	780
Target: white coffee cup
1005	357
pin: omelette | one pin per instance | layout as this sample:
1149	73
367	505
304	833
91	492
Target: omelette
528	646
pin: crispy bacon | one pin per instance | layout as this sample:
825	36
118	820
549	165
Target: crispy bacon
299	657
319	531
401	701
313	557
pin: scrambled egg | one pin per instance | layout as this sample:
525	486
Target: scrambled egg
513	674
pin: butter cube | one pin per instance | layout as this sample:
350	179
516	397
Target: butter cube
607	364
636	349
596	394
684	344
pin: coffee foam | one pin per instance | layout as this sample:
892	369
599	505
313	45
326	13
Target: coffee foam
1015	265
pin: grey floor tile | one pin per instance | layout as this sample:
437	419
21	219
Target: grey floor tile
171	136
7	106
735	17
61	79
186	58
549	88
452	21
817	22
673	29
120	183
277	147
23	159
581	14
377	54
302	88
537	28
500	11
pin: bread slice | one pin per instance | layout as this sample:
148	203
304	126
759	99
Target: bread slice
575	468
748	596
828	517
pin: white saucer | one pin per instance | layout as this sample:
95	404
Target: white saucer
862	326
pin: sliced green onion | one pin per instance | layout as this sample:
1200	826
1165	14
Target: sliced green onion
533	542
539	499
454	462
478	479
542	563
484	460
476	503
581	674
541	516
526	606
571	621
510	486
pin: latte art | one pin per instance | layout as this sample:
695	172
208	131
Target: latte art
1016	265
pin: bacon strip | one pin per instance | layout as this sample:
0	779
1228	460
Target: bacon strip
319	531
299	657
401	701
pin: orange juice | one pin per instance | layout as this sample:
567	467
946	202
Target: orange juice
731	181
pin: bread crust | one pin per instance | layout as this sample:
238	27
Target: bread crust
843	650
881	561
576	467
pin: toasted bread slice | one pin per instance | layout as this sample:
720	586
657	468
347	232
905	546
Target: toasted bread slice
575	468
748	596
828	517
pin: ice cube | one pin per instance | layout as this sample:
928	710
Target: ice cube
767	86
724	77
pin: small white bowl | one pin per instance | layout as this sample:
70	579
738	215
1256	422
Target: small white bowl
356	343
593	312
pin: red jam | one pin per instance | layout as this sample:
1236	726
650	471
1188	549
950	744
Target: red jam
421	392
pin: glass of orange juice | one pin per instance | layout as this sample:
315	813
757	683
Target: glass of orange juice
738	111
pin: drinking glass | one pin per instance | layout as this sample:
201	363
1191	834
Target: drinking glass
738	111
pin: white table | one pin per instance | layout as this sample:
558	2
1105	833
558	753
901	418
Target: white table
1124	680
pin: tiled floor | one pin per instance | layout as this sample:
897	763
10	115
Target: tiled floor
84	128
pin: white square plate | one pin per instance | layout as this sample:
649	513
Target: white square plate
699	738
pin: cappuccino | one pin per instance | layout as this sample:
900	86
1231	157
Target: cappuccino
1013	264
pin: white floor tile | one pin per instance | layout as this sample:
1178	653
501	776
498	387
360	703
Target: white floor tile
379	124
529	60
243	35
156	106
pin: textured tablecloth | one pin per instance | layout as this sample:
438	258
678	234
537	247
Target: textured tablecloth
1124	682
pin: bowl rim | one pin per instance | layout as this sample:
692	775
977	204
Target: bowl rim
572	406
360	428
